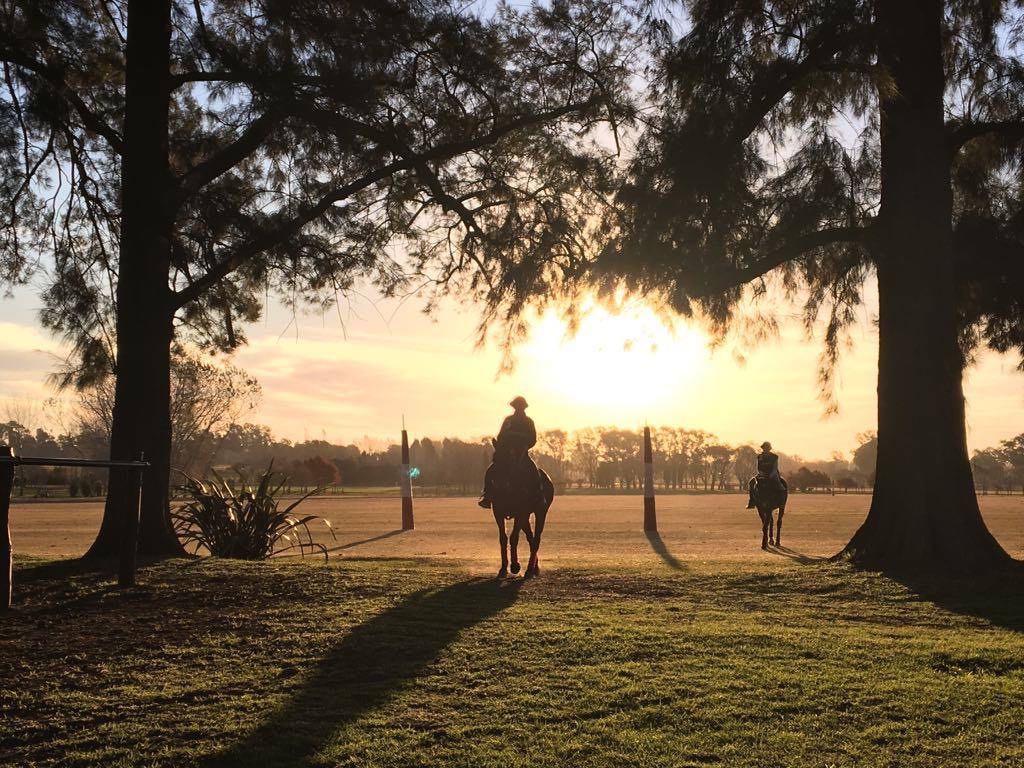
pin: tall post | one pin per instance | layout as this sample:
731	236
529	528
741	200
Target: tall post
406	482
650	518
130	530
6	559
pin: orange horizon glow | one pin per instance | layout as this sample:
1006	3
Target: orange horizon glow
625	365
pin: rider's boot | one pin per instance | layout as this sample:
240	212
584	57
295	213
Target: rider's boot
750	502
484	502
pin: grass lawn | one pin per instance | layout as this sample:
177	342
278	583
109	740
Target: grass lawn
414	662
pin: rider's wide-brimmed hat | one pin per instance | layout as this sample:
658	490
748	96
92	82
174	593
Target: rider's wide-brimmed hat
519	402
766	445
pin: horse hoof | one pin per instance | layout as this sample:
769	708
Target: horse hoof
502	573
515	567
764	545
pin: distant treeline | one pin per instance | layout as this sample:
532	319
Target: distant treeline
592	458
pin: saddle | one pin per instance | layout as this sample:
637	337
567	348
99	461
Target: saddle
769	486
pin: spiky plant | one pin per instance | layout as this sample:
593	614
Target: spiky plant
244	522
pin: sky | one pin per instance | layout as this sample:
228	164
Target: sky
350	376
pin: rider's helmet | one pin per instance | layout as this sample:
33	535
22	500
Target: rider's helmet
766	446
519	402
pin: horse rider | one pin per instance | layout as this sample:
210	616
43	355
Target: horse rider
516	436
767	470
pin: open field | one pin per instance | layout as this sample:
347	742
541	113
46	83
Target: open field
688	649
581	529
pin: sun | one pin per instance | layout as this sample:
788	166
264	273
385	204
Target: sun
621	364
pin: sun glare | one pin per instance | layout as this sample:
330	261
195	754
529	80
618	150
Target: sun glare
620	365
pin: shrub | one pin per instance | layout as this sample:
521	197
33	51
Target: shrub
73	487
243	523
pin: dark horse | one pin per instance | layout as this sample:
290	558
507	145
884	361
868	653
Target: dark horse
515	498
768	497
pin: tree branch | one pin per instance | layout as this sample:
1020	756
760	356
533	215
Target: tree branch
230	155
278	233
241	76
781	75
349	126
719	282
417	162
90	119
961	132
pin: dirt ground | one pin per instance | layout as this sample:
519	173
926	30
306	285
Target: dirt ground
582	529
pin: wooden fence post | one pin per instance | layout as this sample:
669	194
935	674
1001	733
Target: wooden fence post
406	484
130	531
6	554
650	518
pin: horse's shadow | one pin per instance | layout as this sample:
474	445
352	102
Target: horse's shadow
365	669
792	554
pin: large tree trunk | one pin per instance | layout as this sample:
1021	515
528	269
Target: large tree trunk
141	419
924	514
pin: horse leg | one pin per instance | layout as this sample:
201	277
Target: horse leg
503	543
778	527
534	568
516	528
531	537
764	527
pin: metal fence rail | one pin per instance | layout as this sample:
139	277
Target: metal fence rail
129	528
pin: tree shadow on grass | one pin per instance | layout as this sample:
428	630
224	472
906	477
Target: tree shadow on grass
57	586
60	570
1000	603
365	669
658	545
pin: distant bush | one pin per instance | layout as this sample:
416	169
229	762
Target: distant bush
73	487
243	523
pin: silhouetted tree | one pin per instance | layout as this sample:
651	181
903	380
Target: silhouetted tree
206	398
846	482
586	456
320	471
177	160
805	479
1012	452
990	470
620	454
551	452
745	464
749	174
865	455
